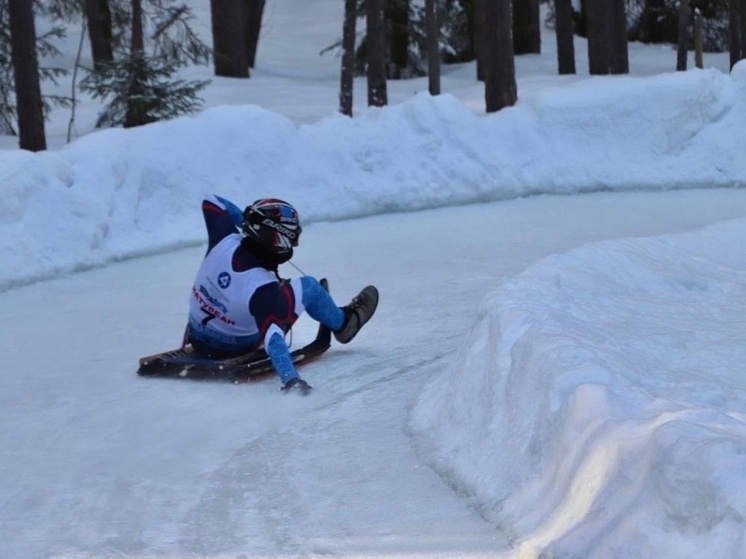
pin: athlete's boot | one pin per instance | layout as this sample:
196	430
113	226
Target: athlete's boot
357	313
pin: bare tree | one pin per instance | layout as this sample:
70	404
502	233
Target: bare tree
654	25
396	13
500	85
736	30
138	35
607	37
348	58
682	51
597	24
30	107
376	42
619	50
230	31
433	47
698	45
565	30
742	27
135	115
734	33
526	28
479	37
256	12
98	16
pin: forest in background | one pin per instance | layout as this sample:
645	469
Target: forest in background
138	47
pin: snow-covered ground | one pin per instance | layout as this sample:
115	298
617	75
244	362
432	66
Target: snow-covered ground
547	375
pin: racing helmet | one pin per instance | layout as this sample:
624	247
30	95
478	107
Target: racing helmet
273	224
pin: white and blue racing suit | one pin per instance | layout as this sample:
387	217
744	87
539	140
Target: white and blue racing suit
237	305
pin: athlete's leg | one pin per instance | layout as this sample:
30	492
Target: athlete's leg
313	298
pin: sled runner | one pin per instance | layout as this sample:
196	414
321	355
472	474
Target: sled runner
186	363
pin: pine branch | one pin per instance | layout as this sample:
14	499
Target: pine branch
175	15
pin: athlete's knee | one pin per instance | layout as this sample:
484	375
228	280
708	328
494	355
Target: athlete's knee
311	289
309	282
320	305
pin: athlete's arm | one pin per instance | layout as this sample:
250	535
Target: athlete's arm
274	315
222	218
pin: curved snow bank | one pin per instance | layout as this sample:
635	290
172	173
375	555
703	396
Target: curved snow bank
120	193
599	409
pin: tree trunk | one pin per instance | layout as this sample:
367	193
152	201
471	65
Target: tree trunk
653	23
682	52
742	26
256	12
348	58
619	51
581	20
433	48
98	16
607	37
526	27
698	39
138	36
230	37
500	86
564	27
396	12
479	38
734	33
26	73
376	42
599	34
135	115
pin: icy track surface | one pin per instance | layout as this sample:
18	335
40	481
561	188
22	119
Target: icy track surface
98	463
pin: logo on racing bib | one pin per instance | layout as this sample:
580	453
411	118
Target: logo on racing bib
224	280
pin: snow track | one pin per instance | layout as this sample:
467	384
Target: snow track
97	462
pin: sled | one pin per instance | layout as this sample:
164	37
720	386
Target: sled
184	362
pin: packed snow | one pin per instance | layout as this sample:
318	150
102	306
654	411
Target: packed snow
548	375
611	416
